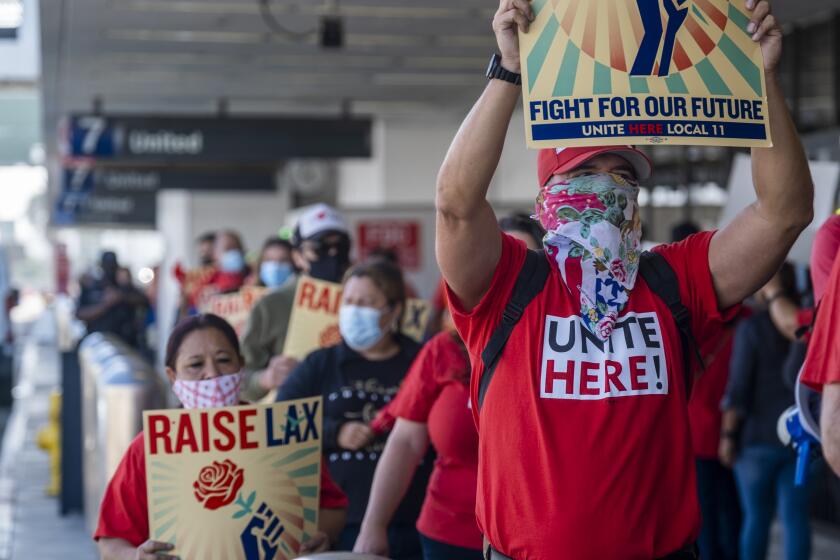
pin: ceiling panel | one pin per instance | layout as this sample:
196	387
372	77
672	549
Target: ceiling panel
165	55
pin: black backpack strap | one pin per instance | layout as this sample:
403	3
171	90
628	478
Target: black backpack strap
530	282
663	281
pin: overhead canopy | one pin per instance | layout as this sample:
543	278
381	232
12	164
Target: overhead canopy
185	55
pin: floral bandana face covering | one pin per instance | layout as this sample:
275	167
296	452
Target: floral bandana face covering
209	393
594	220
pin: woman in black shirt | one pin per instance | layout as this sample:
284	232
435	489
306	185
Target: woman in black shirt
357	378
755	397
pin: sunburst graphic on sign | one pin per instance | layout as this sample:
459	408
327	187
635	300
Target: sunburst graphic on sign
642	71
292	498
658	46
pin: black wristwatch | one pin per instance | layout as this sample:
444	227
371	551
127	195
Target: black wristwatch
496	72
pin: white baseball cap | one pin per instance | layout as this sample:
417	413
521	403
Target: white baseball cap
320	219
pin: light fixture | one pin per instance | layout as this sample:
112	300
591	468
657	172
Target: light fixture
330	31
11	18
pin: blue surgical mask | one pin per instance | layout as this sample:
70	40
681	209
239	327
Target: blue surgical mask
232	261
274	274
359	326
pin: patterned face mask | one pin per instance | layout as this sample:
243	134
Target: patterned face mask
593	223
209	393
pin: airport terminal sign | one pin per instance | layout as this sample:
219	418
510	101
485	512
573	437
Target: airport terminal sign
643	71
235	482
232	140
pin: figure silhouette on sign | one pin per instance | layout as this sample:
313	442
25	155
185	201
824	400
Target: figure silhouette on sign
261	538
677	10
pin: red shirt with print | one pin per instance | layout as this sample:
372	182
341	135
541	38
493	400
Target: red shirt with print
124	513
584	447
822	363
435	392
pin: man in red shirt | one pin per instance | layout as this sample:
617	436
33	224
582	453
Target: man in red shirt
584	444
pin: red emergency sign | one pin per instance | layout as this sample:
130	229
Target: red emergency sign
401	236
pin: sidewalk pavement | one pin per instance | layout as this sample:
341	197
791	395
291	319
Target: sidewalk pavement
30	524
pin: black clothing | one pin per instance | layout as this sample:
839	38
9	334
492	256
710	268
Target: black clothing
354	389
757	390
125	319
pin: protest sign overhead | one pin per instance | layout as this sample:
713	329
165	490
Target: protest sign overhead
313	323
600	72
235	308
234	482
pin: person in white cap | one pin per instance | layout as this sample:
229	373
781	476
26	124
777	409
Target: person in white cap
321	249
584	442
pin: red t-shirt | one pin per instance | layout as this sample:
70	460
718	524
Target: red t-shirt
435	392
704	415
822	363
585	452
823	254
124	513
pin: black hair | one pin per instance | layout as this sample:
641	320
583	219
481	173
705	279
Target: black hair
522	222
197	323
683	230
276	242
206	237
387	277
787	277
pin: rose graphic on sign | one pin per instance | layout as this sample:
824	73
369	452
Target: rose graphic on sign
218	484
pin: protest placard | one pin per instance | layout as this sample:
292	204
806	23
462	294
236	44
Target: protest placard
313	323
416	318
238	482
598	72
235	308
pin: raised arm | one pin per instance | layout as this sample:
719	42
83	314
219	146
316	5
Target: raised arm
468	243
745	254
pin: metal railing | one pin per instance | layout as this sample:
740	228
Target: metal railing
117	386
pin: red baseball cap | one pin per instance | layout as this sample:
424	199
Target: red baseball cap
552	161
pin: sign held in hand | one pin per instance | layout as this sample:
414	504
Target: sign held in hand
642	72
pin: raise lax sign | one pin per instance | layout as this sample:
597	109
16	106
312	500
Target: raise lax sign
600	72
237	482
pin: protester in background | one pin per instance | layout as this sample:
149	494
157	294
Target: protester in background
230	261
612	465
716	488
356	378
755	398
523	227
202	350
193	281
390	254
684	230
821	370
107	306
321	249
431	406
274	267
206	249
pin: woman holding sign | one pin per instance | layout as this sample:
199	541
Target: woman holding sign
357	378
203	363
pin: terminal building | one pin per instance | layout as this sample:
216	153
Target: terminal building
138	126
